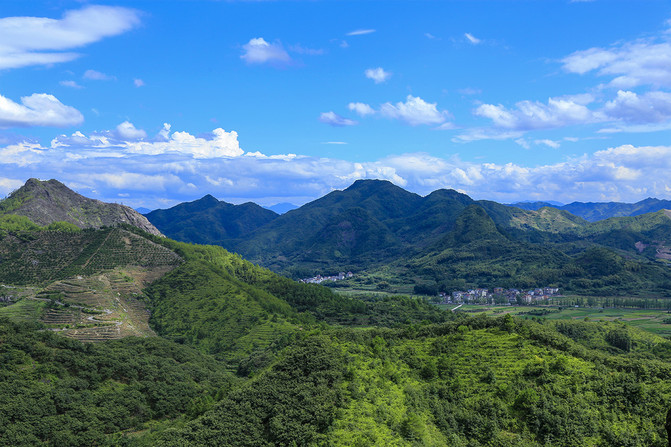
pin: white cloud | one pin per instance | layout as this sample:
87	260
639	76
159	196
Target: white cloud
71	84
127	131
258	51
334	119
26	41
524	143
414	111
528	115
629	64
472	39
38	109
360	32
361	109
377	74
124	141
97	76
651	107
8	185
550	143
176	169
334	142
137	82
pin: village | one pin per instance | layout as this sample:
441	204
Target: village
320	279
499	295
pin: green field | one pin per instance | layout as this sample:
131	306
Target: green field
24	310
650	320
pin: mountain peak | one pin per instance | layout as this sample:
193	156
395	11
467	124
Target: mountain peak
48	201
208	199
370	184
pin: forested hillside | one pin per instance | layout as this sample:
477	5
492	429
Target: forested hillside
234	354
210	221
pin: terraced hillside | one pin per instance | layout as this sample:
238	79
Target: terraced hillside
85	284
40	257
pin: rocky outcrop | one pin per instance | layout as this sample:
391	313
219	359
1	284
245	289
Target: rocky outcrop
45	202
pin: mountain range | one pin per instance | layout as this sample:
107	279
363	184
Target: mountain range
594	211
375	227
110	335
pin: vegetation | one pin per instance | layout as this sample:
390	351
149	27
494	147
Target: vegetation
472	382
60	392
210	221
244	356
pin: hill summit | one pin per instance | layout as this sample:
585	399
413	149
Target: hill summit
45	202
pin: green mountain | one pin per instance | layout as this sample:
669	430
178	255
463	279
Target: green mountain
235	355
369	223
210	221
478	253
46	202
447	240
595	211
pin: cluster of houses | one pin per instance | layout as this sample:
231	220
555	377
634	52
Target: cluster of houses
320	279
499	295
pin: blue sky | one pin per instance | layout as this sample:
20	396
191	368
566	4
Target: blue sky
152	103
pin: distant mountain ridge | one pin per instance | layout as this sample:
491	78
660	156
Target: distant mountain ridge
281	208
46	202
210	221
595	211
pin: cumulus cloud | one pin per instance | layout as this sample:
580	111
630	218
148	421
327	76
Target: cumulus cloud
38	109
651	107
126	140
378	74
258	51
629	64
137	82
361	109
333	119
414	111
185	167
643	64
529	115
127	131
26	41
